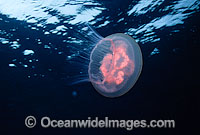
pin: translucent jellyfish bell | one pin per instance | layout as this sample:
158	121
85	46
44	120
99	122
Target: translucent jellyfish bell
115	63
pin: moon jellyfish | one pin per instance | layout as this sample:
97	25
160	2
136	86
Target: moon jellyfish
114	63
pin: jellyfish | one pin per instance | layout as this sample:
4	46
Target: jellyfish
113	63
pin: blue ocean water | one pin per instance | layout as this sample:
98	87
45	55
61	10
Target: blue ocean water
40	43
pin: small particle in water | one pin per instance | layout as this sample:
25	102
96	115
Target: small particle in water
12	65
69	57
155	51
47	47
74	93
